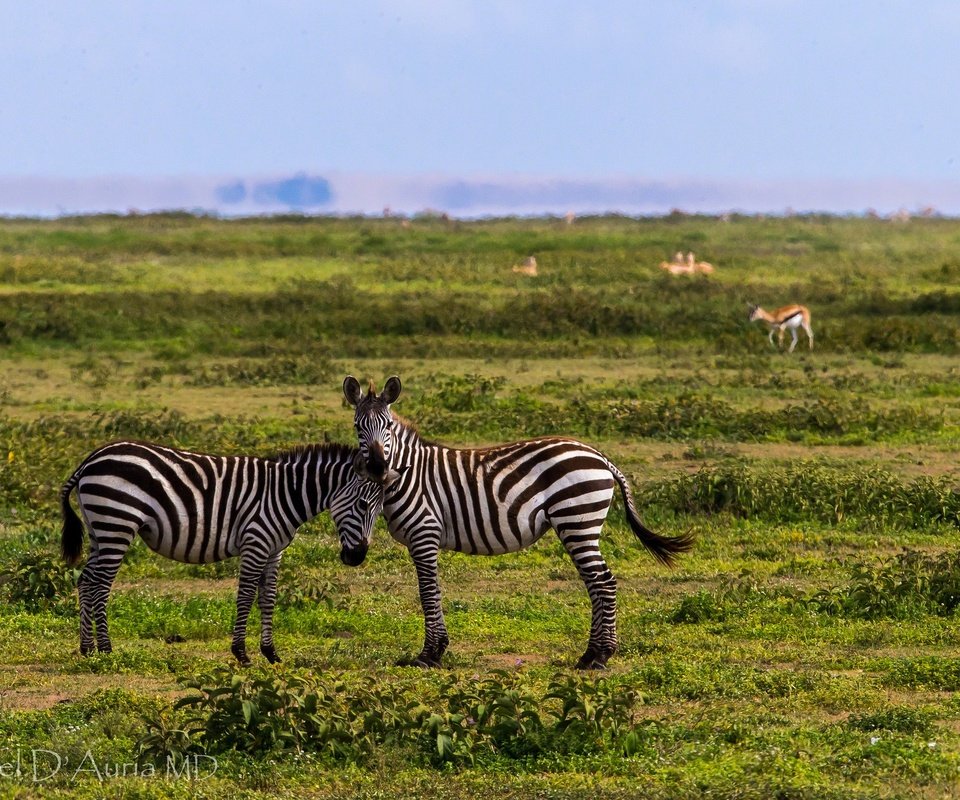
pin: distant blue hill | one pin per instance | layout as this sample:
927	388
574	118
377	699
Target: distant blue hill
299	192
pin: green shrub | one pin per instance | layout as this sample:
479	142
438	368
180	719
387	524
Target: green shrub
900	719
39	581
300	370
501	716
806	491
909	584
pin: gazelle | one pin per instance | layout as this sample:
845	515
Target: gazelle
686	265
786	318
527	267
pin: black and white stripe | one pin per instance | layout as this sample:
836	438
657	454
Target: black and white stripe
499	500
199	509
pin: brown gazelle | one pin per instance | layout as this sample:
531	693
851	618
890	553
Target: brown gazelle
786	318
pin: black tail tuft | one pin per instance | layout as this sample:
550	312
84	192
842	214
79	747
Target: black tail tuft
663	548
71	539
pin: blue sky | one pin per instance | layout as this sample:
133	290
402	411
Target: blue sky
729	90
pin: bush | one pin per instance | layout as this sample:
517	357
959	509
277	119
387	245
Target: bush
808	492
500	716
910	584
38	581
302	370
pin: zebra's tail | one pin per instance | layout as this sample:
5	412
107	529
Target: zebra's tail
71	538
663	548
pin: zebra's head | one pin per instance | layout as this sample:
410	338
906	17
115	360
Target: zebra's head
355	507
374	424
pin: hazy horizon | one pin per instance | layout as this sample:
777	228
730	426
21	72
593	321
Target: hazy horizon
467	197
479	107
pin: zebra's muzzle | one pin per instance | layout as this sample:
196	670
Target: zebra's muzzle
353	556
376	463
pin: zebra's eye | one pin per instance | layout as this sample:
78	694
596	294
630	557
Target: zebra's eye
362	505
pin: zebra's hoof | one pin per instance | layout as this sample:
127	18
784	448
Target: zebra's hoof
593	660
240	653
421	661
270	653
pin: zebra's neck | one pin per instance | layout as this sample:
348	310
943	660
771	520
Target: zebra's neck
407	442
313	473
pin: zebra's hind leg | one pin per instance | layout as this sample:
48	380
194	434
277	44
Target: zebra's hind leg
435	630
101	580
266	600
583	547
84	591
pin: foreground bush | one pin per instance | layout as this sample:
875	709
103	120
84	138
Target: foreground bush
503	715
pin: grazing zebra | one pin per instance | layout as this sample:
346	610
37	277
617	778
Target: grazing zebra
495	500
200	508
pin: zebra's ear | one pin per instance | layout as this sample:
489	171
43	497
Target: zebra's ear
360	466
352	390
393	475
391	390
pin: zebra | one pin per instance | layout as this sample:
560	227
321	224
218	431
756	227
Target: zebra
199	508
495	500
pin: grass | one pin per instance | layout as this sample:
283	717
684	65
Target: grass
807	647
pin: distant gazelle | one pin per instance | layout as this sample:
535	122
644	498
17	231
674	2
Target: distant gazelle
786	318
686	265
527	267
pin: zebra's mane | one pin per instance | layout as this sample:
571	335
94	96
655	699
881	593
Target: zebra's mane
332	451
408	426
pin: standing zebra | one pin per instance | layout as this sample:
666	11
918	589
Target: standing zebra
200	508
495	500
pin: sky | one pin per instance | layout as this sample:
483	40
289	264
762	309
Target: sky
764	100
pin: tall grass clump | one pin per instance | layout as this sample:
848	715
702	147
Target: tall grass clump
807	492
910	584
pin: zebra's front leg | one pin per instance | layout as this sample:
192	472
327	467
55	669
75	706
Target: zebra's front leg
435	630
252	564
266	600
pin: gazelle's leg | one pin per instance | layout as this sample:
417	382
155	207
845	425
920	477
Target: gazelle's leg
809	330
793	333
773	330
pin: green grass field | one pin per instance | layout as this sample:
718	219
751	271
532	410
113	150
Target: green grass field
807	648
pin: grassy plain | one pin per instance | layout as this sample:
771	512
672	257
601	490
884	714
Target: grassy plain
808	647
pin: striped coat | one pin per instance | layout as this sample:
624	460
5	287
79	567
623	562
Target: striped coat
200	508
499	500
